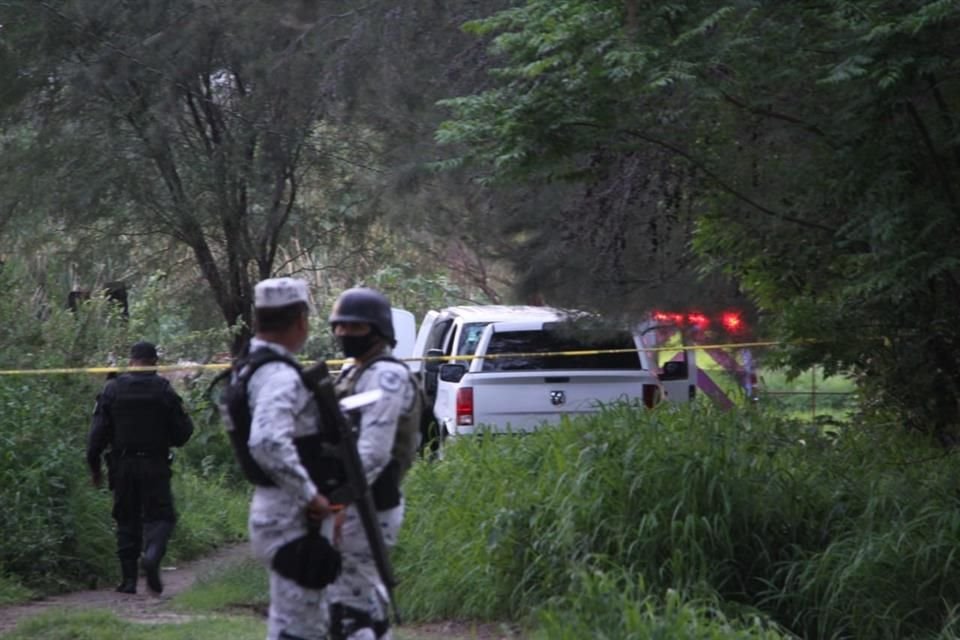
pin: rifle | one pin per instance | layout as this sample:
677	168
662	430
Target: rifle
322	386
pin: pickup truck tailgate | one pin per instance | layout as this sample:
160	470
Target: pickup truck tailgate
524	400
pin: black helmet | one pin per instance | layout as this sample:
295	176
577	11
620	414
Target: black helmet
361	304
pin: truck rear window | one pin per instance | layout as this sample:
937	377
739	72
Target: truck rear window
531	343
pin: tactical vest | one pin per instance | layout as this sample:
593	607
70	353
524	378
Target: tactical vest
386	488
139	409
317	452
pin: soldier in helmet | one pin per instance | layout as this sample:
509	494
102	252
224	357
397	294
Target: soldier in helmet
363	326
138	417
283	410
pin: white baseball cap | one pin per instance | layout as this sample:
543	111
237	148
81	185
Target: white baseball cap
280	292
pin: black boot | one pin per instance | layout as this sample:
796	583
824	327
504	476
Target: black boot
151	567
156	534
128	570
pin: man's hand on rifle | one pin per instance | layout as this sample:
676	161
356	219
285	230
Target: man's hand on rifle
338	521
318	508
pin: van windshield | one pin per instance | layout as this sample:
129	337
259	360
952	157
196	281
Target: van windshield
552	341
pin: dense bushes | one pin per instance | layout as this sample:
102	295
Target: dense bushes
56	528
776	525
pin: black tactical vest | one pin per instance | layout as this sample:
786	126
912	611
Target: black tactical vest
139	409
386	488
318	452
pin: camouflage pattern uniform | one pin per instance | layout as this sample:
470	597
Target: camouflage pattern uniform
359	586
282	408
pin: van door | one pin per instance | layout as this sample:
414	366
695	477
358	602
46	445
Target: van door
677	373
420	344
404	330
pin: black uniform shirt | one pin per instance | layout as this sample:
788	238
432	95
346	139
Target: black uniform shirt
137	412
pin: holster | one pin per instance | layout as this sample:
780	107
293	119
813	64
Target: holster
310	561
386	488
111	459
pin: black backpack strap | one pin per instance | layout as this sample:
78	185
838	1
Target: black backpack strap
248	365
359	369
233	404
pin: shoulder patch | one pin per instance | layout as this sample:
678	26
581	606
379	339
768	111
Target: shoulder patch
389	380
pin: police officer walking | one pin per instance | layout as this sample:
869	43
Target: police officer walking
387	441
138	417
283	410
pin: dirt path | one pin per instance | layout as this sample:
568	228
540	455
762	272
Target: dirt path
141	607
146	607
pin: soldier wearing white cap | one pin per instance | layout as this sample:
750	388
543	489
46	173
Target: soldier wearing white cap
283	409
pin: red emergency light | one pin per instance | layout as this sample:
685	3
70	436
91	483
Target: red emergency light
672	318
730	321
698	320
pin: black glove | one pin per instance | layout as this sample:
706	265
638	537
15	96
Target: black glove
311	561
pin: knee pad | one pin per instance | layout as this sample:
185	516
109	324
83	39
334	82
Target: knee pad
346	621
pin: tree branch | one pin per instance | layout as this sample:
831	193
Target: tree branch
776	115
720	182
945	114
198	122
945	183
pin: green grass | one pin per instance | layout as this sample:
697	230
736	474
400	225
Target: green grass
240	585
11	591
612	605
211	513
773	525
809	397
681	522
100	625
229	601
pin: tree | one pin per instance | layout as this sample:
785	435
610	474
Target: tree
815	145
599	219
198	121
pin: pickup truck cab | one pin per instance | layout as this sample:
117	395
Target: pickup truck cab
495	367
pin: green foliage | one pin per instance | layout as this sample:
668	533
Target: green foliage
155	315
759	522
38	333
212	511
418	292
820	142
608	605
809	396
243	584
101	625
153	130
12	591
57	529
41	481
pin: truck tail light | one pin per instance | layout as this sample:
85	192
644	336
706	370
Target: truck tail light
651	395
465	406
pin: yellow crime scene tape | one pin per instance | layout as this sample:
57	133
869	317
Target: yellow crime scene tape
341	362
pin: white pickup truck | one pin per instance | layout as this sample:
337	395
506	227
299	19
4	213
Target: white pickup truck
476	379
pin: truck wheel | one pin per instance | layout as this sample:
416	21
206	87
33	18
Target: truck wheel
431	437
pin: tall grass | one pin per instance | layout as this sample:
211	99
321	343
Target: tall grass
771	521
611	605
57	532
55	529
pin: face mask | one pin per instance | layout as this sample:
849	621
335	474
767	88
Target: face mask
356	346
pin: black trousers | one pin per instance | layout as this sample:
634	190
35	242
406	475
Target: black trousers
142	505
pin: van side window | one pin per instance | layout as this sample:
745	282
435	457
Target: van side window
438	335
470	337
